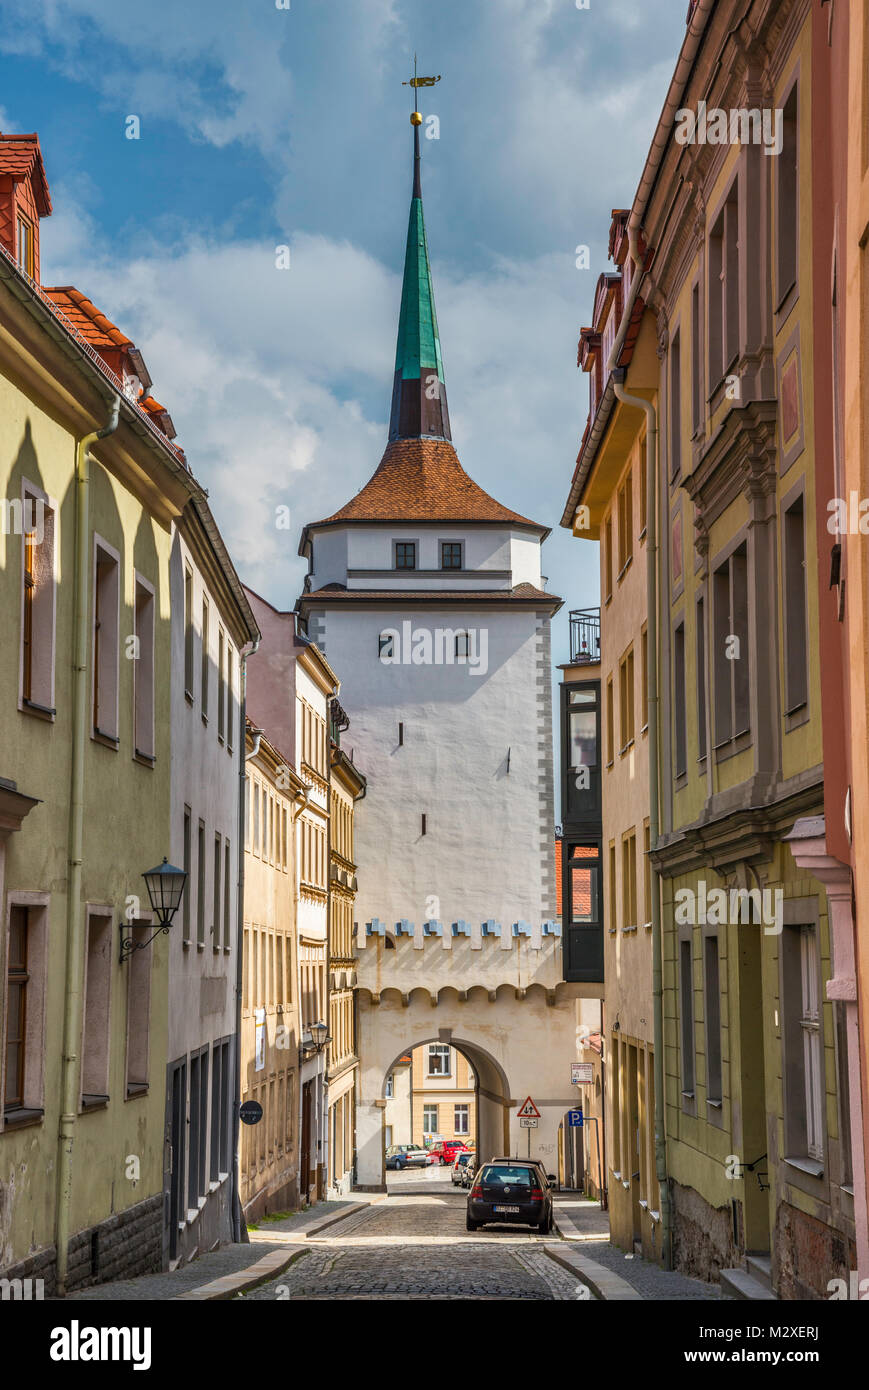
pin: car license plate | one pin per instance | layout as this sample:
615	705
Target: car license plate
507	1209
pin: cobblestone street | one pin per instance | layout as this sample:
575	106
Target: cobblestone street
415	1246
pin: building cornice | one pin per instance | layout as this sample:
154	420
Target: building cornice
722	838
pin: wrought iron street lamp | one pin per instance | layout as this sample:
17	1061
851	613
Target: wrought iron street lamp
165	886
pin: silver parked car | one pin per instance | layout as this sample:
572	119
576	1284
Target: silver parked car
462	1164
406	1156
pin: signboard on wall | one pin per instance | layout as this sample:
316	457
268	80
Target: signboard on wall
581	1073
259	1019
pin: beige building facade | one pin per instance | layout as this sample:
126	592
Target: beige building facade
270	1028
346	788
608	504
443	1095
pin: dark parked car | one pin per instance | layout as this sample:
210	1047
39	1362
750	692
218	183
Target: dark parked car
513	1190
406	1156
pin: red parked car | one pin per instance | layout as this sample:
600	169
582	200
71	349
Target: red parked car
446	1150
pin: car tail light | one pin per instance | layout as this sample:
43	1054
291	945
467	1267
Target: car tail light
476	1190
536	1194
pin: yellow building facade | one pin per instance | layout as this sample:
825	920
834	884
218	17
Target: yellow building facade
755	1087
442	1099
84	789
608	504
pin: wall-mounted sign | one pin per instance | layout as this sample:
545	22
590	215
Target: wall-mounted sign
259	1020
581	1073
250	1113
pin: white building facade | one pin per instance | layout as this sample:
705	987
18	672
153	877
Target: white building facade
212	627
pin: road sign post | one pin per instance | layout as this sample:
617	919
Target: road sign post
528	1117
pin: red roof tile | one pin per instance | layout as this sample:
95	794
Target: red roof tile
21	156
422	480
87	318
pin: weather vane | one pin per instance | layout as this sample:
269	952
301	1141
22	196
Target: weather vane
415	117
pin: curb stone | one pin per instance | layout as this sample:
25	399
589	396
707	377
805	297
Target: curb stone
301	1234
605	1285
269	1267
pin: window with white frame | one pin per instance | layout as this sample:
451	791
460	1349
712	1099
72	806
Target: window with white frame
461	1119
390	1086
439	1059
429	1119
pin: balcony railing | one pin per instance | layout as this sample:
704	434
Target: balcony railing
584	636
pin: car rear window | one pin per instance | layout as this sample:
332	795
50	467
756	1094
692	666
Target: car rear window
509	1177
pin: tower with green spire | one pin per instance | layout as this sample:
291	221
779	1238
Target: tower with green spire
419	394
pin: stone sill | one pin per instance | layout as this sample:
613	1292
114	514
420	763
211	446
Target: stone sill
807	1165
27	1115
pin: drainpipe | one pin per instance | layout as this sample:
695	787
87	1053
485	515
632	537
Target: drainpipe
239	1229
73	982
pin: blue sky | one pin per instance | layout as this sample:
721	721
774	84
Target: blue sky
262	127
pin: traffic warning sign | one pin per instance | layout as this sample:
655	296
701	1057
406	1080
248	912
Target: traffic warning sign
529	1110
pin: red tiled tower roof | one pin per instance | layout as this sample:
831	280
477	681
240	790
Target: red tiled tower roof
422	480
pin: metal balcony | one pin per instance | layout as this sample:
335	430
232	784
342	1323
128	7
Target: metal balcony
584	636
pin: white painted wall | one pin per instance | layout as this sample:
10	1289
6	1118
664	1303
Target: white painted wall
398	1106
205	777
483	854
359	547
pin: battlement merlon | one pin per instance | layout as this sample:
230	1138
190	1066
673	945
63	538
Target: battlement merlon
535	935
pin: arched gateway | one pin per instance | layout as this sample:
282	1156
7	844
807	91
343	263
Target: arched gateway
426	595
499	1001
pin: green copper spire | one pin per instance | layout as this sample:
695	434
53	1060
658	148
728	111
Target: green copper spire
419	399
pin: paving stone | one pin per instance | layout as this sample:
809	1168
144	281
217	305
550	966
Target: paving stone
417	1247
649	1279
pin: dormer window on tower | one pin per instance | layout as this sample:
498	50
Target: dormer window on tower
405	555
451	555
